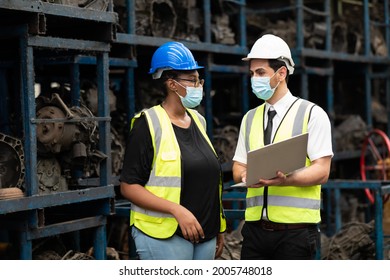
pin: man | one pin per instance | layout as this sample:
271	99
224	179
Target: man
282	214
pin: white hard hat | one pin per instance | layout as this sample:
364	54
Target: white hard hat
272	47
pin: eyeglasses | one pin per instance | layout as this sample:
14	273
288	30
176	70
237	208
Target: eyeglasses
197	82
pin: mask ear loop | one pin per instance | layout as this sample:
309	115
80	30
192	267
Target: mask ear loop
273	76
178	94
179	84
176	89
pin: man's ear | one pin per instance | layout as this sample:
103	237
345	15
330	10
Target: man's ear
283	72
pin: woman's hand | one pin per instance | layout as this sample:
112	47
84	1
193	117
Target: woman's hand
189	225
220	244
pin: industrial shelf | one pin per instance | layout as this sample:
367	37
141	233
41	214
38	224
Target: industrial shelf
56	199
318	75
34	38
132	39
204	50
44	18
333	190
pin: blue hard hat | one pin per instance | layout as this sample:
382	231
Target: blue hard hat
172	56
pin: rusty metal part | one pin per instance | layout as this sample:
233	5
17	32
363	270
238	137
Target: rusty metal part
54	136
72	255
60	135
47	255
233	243
352	242
72	135
111	253
91	99
225	141
49	176
378	42
339	36
177	19
350	133
315	35
117	151
12	169
222	32
163	18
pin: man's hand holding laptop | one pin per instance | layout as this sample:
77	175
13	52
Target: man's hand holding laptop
279	180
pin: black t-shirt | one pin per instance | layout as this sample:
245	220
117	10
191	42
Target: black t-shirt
200	171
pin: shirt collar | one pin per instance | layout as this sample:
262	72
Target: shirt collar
282	105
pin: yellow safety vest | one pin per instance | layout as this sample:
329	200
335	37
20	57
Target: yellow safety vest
165	176
287	204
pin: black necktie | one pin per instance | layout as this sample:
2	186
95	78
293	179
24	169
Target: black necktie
268	130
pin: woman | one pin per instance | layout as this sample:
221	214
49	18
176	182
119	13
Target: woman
171	173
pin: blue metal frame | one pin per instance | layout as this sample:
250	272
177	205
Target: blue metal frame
27	209
130	38
378	187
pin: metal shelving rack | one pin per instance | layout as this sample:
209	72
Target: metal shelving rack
206	48
329	61
34	25
367	59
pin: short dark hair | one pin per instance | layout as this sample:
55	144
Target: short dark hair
275	64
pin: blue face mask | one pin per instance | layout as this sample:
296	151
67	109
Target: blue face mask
261	87
193	96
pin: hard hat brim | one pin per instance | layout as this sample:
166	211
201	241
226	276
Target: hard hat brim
285	60
158	72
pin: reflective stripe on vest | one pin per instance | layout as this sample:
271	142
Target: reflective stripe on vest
165	176
284	201
287	204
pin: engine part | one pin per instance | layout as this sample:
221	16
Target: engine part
91	99
222	32
233	244
352	242
225	142
180	19
60	135
54	136
350	133
49	176
117	151
12	170
72	135
339	36
163	18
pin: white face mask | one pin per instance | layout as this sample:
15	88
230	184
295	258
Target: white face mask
193	96
261	87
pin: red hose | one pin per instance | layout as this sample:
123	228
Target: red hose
363	167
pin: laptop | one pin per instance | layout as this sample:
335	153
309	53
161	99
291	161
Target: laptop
287	156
